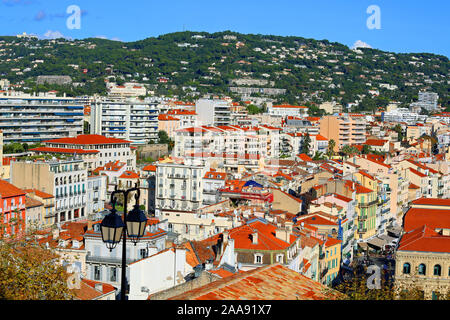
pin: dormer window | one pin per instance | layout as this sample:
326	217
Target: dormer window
96	227
258	258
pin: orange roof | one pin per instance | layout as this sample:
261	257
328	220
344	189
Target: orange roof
413	186
88	139
181	112
304	157
375	142
215	175
289	106
166	117
420	174
272	282
9	190
87	290
64	150
425	239
433	218
129	175
149	168
331	242
39	193
222	272
321	138
266	237
432	201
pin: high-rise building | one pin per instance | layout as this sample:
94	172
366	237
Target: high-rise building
344	129
25	118
127	119
213	112
427	100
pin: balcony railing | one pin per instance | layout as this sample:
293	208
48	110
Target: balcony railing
367	204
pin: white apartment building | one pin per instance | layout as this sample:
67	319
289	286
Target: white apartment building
26	118
128	89
178	187
127	119
286	110
64	179
212	182
228	142
403	115
95	150
213	112
427	100
96	193
106	266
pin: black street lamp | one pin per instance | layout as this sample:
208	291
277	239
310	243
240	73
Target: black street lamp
113	228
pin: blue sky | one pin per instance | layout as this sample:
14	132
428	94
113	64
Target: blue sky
406	26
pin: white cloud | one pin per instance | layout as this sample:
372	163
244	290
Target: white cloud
53	35
361	44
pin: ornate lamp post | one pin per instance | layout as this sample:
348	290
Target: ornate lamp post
113	228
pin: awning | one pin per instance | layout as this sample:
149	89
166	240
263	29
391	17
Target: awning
386	238
376	243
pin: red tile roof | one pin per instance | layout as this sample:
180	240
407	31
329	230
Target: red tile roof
149	168
289	106
88	139
420	174
215	175
432	201
332	242
433	218
166	117
9	190
375	142
87	290
39	193
129	175
424	239
266	237
64	150
272	282
304	157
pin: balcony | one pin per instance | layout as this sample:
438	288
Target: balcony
367	204
324	273
362	217
362	230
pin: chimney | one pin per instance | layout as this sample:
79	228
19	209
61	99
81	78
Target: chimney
99	287
225	237
89	225
255	237
55	234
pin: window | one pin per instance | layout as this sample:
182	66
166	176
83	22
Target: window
143	253
97	273
258	258
406	268
280	258
113	274
422	269
437	270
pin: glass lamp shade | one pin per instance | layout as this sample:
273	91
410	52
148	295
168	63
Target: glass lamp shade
111	229
136	222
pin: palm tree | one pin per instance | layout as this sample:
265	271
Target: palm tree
330	150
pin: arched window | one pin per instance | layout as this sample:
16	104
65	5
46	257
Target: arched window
406	268
437	270
422	269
